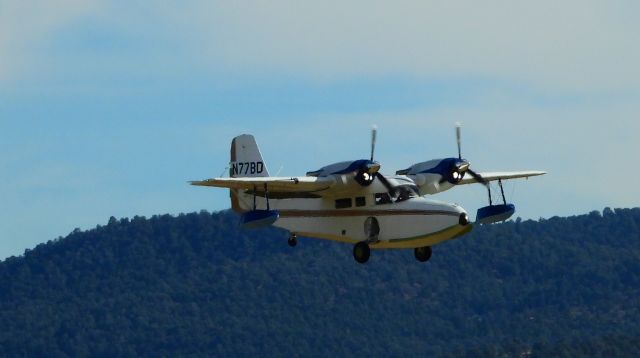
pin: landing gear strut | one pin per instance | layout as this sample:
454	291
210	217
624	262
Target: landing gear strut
495	213
293	240
422	254
361	252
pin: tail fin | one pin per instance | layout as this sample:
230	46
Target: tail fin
246	160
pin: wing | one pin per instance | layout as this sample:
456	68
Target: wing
275	185
491	176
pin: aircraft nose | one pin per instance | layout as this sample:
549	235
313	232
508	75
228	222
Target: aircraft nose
463	217
453	214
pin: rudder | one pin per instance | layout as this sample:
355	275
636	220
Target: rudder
246	159
246	162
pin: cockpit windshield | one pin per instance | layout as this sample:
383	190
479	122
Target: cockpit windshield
406	192
398	194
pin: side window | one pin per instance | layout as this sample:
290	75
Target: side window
343	203
382	198
360	201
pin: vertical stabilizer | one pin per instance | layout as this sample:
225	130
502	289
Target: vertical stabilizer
246	162
246	159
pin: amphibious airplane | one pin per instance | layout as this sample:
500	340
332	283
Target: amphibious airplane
353	202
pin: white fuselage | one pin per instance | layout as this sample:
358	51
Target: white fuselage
406	223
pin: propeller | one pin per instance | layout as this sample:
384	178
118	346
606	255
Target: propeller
369	168
463	165
478	177
458	125
377	174
374	132
385	182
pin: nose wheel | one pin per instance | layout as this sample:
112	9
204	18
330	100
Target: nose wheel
422	254
361	252
293	240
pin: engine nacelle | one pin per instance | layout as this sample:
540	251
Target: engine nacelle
438	175
363	170
429	183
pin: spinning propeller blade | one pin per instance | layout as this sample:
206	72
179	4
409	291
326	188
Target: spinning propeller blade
377	174
458	139
390	189
464	166
385	182
374	132
478	177
458	135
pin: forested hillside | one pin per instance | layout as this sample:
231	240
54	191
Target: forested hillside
196	284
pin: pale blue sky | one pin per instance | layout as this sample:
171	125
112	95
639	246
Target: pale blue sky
108	108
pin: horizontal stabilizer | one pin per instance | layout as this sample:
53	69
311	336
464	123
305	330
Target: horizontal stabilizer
274	184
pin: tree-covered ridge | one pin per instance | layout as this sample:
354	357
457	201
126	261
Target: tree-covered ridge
196	284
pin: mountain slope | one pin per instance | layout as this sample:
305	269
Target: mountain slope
197	285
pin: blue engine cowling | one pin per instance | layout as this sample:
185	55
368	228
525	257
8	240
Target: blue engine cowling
258	218
495	213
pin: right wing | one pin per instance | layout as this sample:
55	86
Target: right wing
491	176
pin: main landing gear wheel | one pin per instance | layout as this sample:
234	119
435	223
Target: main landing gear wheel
361	252
422	253
293	240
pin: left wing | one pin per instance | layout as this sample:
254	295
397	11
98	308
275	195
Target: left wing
491	176
274	184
